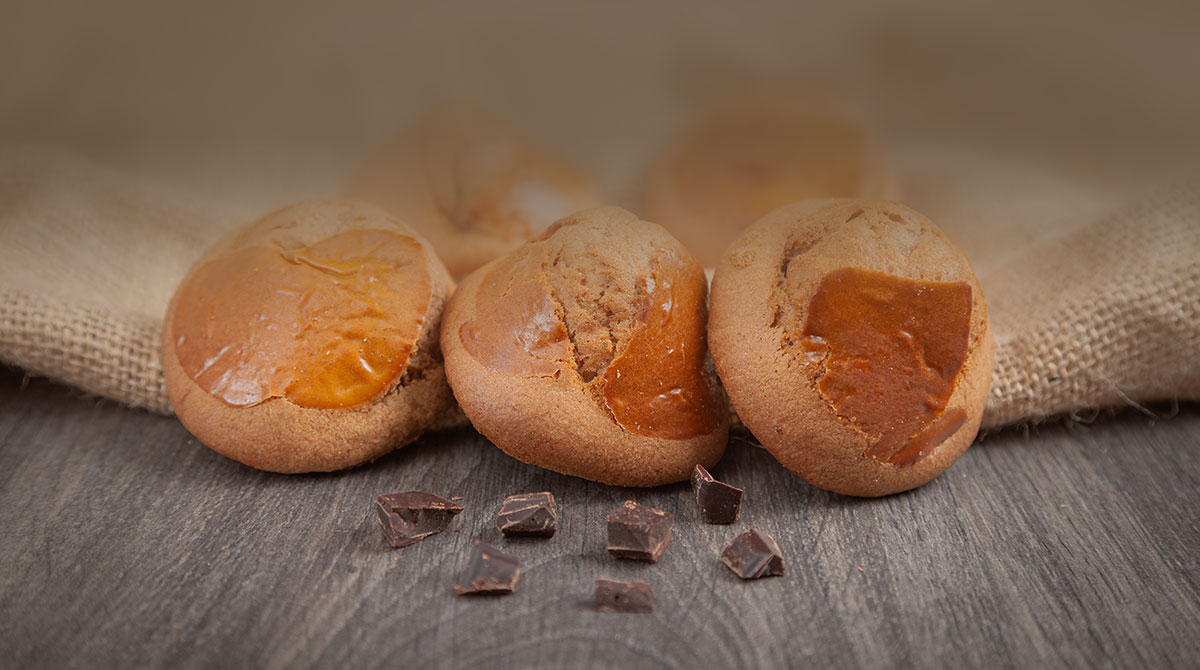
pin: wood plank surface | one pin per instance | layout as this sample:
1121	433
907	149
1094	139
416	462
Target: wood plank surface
125	543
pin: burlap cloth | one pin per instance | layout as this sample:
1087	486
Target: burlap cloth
1048	144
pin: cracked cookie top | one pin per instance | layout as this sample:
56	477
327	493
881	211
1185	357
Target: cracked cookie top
613	302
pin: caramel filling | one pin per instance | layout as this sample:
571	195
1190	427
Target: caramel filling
326	326
655	386
923	443
658	386
891	350
517	329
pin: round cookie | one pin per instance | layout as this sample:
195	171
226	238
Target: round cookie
585	352
308	340
742	161
854	342
472	186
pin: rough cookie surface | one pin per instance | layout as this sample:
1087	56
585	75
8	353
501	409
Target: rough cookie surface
628	322
853	339
585	352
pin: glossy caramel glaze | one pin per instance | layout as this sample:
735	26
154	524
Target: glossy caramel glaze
326	326
659	385
517	329
890	350
656	385
923	442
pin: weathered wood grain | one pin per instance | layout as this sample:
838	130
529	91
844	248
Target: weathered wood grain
124	543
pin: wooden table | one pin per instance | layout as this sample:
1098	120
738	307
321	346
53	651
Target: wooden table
124	543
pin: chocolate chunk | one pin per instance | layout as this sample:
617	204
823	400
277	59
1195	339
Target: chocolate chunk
489	572
528	515
614	596
753	554
412	516
719	502
638	532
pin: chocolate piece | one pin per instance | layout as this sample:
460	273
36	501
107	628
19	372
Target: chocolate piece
638	532
753	554
489	572
719	502
407	518
632	597
528	515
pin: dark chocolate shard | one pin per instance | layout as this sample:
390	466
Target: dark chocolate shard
638	532
719	502
407	518
753	554
528	515
489	572
632	597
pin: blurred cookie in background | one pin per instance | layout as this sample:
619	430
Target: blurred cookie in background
743	159
472	185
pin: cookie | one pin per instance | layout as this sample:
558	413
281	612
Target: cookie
854	342
308	340
585	352
742	161
473	186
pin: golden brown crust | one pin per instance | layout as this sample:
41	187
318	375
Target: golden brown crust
551	412
280	436
775	391
472	186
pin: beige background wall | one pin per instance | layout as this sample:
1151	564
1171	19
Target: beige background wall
601	82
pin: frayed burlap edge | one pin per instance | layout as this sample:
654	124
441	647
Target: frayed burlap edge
111	355
1107	316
